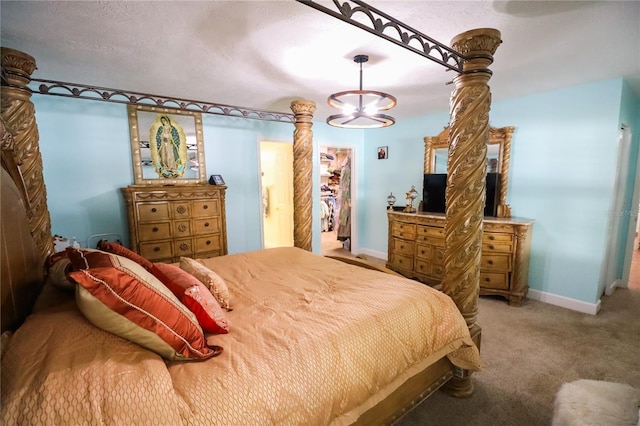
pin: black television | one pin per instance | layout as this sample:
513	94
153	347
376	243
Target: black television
434	188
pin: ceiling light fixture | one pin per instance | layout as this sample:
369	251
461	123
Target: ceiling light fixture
360	108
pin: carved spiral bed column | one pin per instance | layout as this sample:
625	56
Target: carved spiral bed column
302	173
18	115
466	192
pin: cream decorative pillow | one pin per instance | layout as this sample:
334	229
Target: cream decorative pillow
122	297
206	276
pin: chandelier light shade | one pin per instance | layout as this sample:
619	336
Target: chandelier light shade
361	108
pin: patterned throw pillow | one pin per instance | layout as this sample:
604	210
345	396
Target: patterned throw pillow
194	295
206	276
120	296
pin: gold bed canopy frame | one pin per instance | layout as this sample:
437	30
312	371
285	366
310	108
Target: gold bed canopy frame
468	137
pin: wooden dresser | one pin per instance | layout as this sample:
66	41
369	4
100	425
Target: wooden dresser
166	222
416	250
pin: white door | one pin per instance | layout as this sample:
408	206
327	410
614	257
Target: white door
276	164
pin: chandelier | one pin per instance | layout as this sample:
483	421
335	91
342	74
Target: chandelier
361	108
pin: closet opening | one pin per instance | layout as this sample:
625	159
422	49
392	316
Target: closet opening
335	200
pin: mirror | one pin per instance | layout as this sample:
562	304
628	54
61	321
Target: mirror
436	155
166	145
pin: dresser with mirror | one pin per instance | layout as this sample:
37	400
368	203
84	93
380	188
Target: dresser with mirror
417	240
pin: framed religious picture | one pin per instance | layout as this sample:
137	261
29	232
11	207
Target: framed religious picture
167	145
383	152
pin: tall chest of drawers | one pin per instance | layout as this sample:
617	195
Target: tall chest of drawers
417	244
167	222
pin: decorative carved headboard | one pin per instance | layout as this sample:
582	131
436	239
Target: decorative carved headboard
26	224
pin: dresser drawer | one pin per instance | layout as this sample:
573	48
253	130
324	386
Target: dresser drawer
181	210
206	208
424	251
208	243
437	270
148	212
403	230
183	247
430	231
402	262
154	231
403	247
494	280
423	267
206	226
495	262
493	241
156	250
182	228
430	239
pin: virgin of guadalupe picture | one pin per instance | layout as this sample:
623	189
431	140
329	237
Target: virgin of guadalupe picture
168	147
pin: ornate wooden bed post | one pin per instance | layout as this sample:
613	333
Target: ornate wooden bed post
467	168
18	114
302	173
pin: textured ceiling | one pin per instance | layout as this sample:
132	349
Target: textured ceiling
263	54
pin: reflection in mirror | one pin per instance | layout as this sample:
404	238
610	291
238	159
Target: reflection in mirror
440	160
167	145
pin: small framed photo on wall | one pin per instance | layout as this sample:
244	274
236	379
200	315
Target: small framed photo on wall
216	180
383	152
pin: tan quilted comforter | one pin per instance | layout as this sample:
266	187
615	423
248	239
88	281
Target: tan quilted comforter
312	341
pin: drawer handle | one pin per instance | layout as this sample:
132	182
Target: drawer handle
487	280
156	249
491	237
208	242
399	260
401	246
490	262
422	251
181	209
491	247
153	210
205	206
184	246
421	266
155	229
206	224
182	227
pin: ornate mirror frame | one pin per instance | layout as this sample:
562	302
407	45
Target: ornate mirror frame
178	164
497	136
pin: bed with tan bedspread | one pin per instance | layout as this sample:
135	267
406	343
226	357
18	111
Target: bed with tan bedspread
312	341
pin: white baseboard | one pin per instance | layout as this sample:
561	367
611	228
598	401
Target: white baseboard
374	253
564	302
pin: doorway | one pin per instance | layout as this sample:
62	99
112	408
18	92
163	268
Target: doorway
336	206
622	260
276	178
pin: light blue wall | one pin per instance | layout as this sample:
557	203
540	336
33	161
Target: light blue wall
86	156
402	169
562	172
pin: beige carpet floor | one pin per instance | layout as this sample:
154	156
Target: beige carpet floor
530	351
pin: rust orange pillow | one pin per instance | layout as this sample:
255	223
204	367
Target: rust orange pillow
194	295
120	296
121	250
